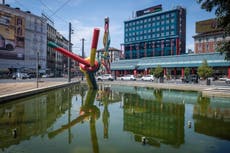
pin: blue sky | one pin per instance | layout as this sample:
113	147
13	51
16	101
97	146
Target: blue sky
85	15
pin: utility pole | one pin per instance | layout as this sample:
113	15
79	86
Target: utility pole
82	53
69	60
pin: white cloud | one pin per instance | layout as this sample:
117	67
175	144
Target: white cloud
86	32
190	45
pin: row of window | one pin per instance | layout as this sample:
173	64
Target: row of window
148	25
135	55
157	28
167	16
149	36
157	44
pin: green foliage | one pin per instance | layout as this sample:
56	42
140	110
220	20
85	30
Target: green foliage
158	72
222	12
204	70
186	71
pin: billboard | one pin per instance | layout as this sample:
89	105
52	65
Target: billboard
153	9
12	36
206	26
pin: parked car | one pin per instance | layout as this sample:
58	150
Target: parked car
193	78
21	76
128	77
227	81
223	78
147	78
105	77
45	76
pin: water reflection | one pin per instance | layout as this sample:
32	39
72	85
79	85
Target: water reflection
160	116
212	119
22	119
158	122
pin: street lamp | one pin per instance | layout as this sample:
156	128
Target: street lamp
69	60
37	70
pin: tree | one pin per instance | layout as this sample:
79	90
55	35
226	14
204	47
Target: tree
158	72
222	12
204	70
186	72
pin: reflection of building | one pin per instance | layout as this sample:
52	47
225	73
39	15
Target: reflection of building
32	116
26	33
155	33
212	119
159	122
208	36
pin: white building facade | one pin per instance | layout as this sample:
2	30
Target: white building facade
27	34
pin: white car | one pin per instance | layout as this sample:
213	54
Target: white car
128	77
227	81
105	77
147	78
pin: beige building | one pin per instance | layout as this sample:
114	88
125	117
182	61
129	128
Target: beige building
208	36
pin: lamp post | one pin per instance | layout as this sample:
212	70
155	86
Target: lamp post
37	71
83	54
69	60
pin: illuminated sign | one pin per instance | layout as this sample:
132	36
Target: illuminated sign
153	9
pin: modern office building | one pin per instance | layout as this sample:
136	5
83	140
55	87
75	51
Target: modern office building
154	32
156	38
23	40
208	36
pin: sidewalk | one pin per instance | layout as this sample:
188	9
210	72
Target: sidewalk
13	90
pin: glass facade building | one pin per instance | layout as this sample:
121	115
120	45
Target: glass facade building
155	34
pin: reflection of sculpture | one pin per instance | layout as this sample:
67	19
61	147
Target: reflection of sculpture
89	65
103	96
87	111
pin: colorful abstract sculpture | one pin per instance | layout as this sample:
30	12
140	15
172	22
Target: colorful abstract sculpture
106	43
88	65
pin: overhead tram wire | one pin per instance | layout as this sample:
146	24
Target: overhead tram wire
59	17
60	7
54	12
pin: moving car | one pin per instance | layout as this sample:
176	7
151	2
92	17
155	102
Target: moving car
105	77
128	77
147	78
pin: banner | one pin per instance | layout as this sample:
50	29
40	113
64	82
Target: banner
12	36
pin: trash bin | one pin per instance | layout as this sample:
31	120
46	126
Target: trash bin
161	80
208	82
